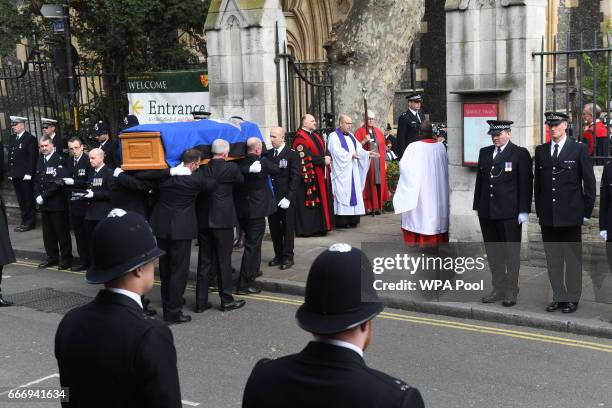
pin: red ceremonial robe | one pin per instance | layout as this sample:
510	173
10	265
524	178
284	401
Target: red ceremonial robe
375	195
313	206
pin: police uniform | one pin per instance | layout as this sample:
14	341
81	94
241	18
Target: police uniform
333	304
108	352
564	190
99	182
408	126
503	193
77	173
22	157
110	147
58	141
6	250
49	187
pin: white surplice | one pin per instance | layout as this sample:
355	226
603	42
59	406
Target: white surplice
422	194
346	170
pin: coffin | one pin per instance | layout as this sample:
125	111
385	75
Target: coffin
142	151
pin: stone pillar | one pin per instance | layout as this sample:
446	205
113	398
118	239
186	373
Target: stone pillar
488	52
240	40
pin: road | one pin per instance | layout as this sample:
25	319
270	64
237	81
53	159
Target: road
454	362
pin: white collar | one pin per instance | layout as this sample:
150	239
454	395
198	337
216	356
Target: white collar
306	130
20	134
47	157
340	343
280	149
102	144
415	113
52	135
99	168
78	158
501	147
561	144
134	296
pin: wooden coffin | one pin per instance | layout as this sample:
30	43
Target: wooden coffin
142	151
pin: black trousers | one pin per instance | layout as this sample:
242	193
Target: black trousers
282	230
503	246
173	271
80	236
215	259
563	249
56	233
254	229
1	267
343	221
90	225
25	197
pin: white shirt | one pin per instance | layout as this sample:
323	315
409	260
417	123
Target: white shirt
279	149
77	159
502	149
99	168
415	113
134	296
561	144
47	157
20	134
340	343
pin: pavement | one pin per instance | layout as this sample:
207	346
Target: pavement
592	318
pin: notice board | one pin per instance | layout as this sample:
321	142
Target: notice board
475	128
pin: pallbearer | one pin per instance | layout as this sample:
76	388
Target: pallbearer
502	198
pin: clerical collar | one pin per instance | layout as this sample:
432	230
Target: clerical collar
340	343
306	130
134	296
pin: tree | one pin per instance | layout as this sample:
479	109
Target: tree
369	49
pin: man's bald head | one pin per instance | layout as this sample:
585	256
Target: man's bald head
96	158
97	152
277	137
254	145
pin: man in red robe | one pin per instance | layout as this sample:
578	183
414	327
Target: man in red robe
376	191
313	214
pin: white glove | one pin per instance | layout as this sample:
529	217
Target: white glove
39	200
117	172
255	167
180	170
604	235
585	220
10	179
68	181
27	177
523	217
89	194
284	203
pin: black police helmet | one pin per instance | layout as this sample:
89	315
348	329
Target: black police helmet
339	292
122	242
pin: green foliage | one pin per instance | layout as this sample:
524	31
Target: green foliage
598	70
14	25
392	178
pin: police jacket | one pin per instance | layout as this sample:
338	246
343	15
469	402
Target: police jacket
324	375
408	126
286	182
174	214
133	191
111	153
217	209
100	183
22	155
504	185
80	173
110	355
565	189
255	198
605	198
48	183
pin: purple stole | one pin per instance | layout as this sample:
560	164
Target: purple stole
345	147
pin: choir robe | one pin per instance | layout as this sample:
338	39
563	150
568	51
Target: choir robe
422	195
376	192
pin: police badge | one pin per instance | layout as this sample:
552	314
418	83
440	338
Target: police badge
282	163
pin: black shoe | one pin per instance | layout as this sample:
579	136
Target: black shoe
288	263
19	228
64	266
79	267
274	262
491	297
201	308
177	318
509	302
570	307
47	264
148	311
25	228
4	302
236	304
552	306
213	288
251	290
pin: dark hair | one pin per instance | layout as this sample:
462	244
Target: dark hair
75	139
191	156
426	130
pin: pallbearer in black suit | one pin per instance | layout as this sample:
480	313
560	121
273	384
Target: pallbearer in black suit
108	145
216	221
409	123
22	157
339	308
108	352
285	185
53	203
564	196
605	209
255	201
6	250
97	194
502	198
77	171
49	128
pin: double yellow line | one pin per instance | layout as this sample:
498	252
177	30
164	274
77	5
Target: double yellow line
518	334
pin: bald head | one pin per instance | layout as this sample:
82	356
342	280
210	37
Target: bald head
254	146
96	158
277	137
309	122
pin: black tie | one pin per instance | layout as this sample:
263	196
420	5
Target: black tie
275	153
76	162
498	150
555	155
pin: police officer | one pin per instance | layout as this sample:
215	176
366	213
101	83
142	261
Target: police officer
6	250
285	185
49	128
22	157
409	123
108	352
605	209
108	145
502	198
97	194
51	198
564	189
338	310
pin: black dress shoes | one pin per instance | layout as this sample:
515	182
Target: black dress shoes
64	266
288	263
24	228
79	267
48	263
274	262
508	302
202	308
491	297
251	290
570	307
236	304
552	306
4	302
19	228
177	318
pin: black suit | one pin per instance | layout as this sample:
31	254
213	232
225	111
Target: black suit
324	375
59	144
110	355
111	153
605	210
22	158
99	205
49	186
285	185
216	221
564	195
174	223
504	188
408	126
80	173
254	203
